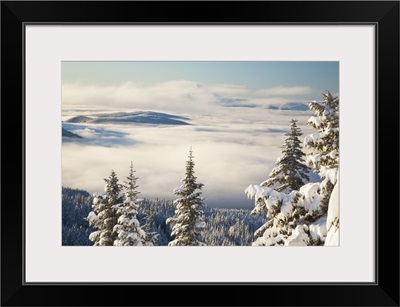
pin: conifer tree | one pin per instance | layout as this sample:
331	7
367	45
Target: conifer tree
128	229
291	172
301	217
104	217
324	144
152	236
188	223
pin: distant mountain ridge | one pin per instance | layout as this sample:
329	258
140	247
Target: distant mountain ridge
290	106
233	102
140	117
70	134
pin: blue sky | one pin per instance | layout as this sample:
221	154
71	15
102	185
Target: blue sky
320	76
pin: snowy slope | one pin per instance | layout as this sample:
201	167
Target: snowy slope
332	238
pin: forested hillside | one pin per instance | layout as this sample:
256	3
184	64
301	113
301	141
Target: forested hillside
223	226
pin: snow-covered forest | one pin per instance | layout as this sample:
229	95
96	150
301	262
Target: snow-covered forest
291	208
223	226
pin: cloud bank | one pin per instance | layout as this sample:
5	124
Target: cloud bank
183	96
229	155
284	91
233	147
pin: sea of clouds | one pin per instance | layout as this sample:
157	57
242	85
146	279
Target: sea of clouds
233	145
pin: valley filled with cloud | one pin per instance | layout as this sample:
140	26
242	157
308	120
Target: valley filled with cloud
236	134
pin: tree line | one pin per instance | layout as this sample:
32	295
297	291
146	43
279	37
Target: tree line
224	226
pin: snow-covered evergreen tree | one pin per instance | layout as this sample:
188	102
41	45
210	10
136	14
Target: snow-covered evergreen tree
104	217
152	236
128	229
301	217
188	223
324	143
223	227
332	223
291	172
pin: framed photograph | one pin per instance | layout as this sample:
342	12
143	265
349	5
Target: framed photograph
203	152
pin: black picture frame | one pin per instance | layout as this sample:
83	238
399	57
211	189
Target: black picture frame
383	14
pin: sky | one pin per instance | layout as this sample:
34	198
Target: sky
235	132
320	76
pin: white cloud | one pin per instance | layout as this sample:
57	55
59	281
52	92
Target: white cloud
282	91
231	151
233	147
180	95
229	90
